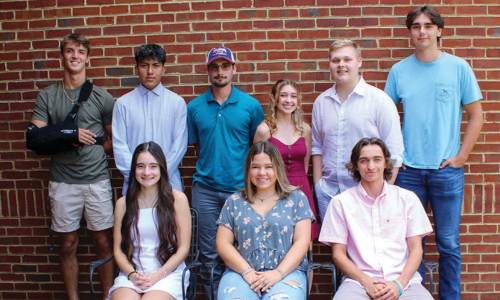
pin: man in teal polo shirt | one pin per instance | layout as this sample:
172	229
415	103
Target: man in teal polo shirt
221	125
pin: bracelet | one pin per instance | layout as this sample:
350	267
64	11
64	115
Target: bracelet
282	275
128	276
165	274
248	270
399	286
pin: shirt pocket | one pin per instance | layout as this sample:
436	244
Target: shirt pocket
393	228
444	92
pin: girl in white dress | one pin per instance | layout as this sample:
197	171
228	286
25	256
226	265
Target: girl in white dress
152	231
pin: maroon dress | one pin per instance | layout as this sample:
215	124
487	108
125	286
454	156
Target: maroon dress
293	157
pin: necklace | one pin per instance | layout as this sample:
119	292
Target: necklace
64	91
147	203
264	199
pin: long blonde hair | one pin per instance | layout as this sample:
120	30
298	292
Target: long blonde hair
297	115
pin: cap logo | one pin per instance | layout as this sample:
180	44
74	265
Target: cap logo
219	51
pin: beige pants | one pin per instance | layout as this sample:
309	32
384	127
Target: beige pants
353	291
68	202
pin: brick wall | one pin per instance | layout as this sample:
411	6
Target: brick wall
272	40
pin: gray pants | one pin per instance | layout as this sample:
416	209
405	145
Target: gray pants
208	202
353	291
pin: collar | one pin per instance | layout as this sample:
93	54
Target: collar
157	90
233	97
359	89
366	198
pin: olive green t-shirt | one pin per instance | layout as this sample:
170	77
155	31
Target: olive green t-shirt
87	163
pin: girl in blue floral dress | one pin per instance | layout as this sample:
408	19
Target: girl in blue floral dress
264	232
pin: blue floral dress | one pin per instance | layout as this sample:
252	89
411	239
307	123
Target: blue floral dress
264	241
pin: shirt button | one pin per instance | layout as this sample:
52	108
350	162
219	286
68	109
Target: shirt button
288	168
289	161
289	147
219	115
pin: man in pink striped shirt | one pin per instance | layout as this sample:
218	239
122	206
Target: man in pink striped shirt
375	230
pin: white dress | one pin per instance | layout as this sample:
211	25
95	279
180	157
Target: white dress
148	263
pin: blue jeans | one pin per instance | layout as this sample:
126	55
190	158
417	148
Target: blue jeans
233	286
444	189
323	198
208	202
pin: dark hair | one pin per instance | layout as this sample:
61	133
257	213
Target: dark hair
77	39
283	187
152	51
352	166
165	211
430	11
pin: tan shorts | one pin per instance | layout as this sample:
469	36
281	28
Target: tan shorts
68	202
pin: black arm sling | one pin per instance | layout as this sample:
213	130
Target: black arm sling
59	137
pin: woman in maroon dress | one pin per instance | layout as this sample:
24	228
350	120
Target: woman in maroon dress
284	127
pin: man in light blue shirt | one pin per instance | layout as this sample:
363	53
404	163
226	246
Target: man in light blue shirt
150	113
222	123
435	87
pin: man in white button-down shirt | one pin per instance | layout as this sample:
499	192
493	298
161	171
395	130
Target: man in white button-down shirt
150	113
342	115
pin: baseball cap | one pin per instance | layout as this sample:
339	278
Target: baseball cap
220	52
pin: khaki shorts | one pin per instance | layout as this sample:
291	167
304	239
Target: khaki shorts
68	202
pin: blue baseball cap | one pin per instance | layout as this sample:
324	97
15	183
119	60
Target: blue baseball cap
220	52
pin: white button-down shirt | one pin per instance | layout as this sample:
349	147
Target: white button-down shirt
141	116
375	230
337	127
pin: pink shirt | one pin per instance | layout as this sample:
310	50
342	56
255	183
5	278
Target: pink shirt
375	230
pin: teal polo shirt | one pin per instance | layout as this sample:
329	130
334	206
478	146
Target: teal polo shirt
225	133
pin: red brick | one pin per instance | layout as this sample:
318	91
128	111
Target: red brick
204	6
207	26
189	17
265	3
13	5
42	24
331	22
234	26
144	8
487	21
174	28
268	24
255	35
314	34
87	11
6	15
130	19
282	35
251	14
131	40
114	10
227	4
282	55
14	25
299	45
283	13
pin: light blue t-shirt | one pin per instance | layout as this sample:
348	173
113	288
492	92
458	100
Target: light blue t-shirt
432	95
225	133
